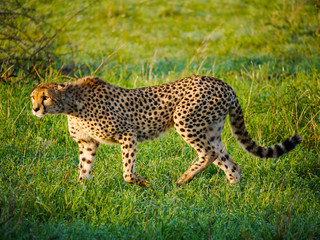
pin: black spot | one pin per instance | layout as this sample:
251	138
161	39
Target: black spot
297	139
238	118
259	151
270	152
279	150
288	145
241	124
250	147
244	141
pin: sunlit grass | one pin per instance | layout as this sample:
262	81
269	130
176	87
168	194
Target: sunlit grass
276	198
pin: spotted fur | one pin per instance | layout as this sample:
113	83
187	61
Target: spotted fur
196	106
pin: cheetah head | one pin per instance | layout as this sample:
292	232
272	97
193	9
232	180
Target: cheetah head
47	98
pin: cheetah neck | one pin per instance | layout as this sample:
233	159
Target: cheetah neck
72	101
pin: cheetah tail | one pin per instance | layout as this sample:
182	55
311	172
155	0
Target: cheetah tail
241	134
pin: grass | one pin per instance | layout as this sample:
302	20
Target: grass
267	51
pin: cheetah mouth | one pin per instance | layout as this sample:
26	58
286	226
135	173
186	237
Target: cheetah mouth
38	114
39	111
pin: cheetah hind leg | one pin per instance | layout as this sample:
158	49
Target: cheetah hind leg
206	154
224	161
230	168
209	153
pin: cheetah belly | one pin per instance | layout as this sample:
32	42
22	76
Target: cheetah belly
96	131
152	132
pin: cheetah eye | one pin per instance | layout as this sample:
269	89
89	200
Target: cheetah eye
45	98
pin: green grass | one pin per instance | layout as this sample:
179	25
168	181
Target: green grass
268	51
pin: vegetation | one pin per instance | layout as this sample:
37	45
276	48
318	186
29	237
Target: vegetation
268	51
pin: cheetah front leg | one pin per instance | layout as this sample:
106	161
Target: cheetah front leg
128	148
87	156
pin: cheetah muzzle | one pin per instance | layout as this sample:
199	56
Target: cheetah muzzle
196	106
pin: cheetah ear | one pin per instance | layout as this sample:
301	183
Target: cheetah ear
63	86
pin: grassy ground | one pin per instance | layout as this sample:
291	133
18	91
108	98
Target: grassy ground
268	51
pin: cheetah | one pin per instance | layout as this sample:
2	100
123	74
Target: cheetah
197	106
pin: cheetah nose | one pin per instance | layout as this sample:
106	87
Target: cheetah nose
36	109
